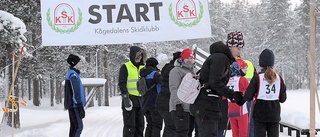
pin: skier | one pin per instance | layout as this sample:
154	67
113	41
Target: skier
269	91
238	115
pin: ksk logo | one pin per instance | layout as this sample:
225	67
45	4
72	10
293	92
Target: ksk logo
65	20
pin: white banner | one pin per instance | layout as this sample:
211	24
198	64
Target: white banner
95	22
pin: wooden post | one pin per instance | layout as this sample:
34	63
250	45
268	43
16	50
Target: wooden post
312	67
12	96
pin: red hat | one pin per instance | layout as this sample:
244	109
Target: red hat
242	64
186	53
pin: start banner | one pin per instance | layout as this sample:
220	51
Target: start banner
96	22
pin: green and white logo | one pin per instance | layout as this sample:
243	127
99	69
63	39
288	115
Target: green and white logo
64	19
186	13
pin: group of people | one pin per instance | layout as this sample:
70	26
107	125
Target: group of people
222	100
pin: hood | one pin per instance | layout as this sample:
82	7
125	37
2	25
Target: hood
133	53
179	63
220	47
147	70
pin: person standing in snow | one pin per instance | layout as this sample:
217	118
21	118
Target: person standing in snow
153	80
238	115
180	110
74	97
269	91
162	102
132	113
214	77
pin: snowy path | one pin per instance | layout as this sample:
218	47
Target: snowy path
45	121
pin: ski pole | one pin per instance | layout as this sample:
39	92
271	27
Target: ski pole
12	85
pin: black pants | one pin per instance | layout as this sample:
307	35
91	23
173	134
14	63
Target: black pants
169	128
154	123
181	122
263	128
133	122
76	124
208	124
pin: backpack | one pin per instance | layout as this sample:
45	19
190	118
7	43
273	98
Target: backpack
142	84
189	89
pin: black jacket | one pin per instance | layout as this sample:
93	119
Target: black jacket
123	75
149	99
214	76
215	71
162	102
265	111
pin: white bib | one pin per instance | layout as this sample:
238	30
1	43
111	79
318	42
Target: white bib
269	91
234	85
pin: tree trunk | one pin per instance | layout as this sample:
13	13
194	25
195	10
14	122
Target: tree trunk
106	92
58	91
29	89
22	88
51	90
36	92
40	88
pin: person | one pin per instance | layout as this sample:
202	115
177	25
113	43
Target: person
214	76
162	101
180	110
153	117
74	97
238	115
269	91
133	119
235	42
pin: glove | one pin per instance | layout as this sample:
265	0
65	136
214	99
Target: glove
241	102
179	108
81	110
237	97
126	101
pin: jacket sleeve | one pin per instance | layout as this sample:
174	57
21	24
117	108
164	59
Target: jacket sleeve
243	84
157	77
174	83
218	68
283	91
123	76
252	89
75	88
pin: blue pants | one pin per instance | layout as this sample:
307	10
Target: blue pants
76	125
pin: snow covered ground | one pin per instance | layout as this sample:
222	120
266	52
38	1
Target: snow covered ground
46	121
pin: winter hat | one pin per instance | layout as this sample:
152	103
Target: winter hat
176	55
73	60
242	64
266	58
186	53
235	39
152	62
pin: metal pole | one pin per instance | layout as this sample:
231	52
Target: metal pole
312	67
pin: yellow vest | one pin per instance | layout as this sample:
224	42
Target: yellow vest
133	76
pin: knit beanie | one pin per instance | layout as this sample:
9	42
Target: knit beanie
266	58
242	64
186	53
152	62
73	60
176	55
235	39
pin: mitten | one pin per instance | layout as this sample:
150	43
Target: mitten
237	96
126	101
81	110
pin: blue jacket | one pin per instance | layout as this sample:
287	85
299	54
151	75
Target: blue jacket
74	91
